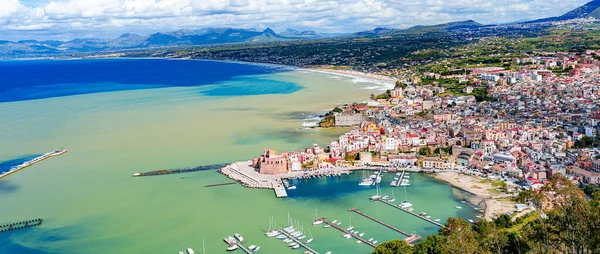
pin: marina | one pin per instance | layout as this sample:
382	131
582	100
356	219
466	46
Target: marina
20	225
331	224
409	212
32	162
297	241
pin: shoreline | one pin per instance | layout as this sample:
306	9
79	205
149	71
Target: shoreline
495	203
352	73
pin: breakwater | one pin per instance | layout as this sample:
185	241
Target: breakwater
178	170
31	162
20	225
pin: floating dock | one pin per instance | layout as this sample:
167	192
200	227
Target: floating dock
34	161
411	238
219	184
241	246
409	212
20	225
308	248
399	180
347	232
178	170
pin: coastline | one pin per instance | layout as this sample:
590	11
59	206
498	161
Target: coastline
495	203
354	74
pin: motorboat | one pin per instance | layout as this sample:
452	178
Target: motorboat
358	241
296	246
405	204
255	249
309	240
437	220
470	220
232	248
347	236
361	234
458	207
239	237
190	251
288	240
334	221
327	226
370	239
315	221
375	242
301	237
281	237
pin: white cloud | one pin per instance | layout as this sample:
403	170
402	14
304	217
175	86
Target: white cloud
91	17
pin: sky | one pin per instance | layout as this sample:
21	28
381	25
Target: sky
68	19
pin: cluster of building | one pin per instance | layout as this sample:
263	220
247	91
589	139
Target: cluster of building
536	124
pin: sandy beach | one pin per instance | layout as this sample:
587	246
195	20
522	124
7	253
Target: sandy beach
496	203
357	74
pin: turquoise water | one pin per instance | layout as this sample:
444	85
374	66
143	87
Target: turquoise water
90	202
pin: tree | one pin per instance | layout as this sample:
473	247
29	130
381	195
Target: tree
434	244
460	238
394	247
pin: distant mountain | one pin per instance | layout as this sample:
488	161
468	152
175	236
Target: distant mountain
186	37
380	32
588	10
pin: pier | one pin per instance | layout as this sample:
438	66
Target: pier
219	184
411	213
378	221
397	183
308	248
20	225
241	246
177	170
34	161
347	232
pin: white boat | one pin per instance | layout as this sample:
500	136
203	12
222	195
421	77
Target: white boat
339	223
347	236
181	252
239	237
404	184
479	216
376	196
293	187
428	216
329	252
366	182
361	234
392	200
358	241
464	202
301	237
349	228
375	242
232	248
288	240
309	240
281	237
437	220
272	232
296	246
252	247
327	226
393	183
385	197
292	244
315	221
470	220
190	251
458	207
406	177
370	239
256	249
405	204
334	222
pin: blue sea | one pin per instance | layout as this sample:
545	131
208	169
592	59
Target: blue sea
39	79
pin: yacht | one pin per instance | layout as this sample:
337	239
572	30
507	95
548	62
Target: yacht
376	196
281	237
252	247
370	239
458	207
361	234
405	204
315	221
422	213
288	240
394	183
296	246
385	197
334	222
358	241
190	251
327	226
309	240
181	252
437	220
366	182
347	236
293	187
350	228
239	237
329	252
470	220
375	242
232	248
292	244
255	249
301	237
338	223
272	232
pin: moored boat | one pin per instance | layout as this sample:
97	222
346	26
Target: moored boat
190	251
232	248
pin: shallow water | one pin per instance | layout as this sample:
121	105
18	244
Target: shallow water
90	202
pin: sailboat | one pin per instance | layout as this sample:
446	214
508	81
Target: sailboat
351	227
393	196
272	232
405	204
290	227
310	239
315	221
376	197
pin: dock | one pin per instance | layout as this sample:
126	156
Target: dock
308	248
411	213
177	170
411	237
34	161
241	246
20	225
399	180
347	232
279	188
219	184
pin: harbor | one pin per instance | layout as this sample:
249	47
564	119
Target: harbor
20	225
409	212
32	162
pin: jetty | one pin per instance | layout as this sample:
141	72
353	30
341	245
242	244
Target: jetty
177	170
20	225
219	184
34	161
397	183
346	232
411	237
241	246
308	248
409	212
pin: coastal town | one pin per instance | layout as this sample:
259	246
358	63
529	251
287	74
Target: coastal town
519	127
